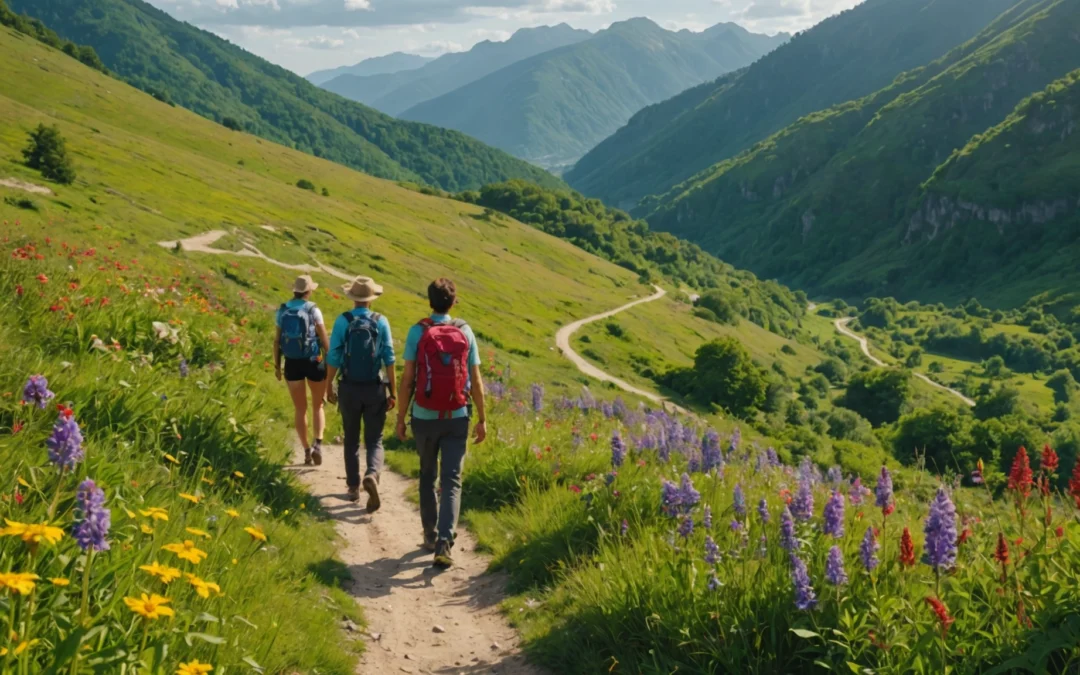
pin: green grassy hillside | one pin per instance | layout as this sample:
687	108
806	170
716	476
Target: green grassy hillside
826	203
841	58
198	70
554	107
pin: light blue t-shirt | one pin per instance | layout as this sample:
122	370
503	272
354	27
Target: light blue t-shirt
316	316
337	340
412	341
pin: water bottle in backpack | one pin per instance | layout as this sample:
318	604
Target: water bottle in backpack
361	363
298	337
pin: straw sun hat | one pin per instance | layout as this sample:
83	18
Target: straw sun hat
362	289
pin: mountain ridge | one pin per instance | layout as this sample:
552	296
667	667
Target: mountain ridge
387	64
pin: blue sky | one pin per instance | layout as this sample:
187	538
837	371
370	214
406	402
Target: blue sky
307	35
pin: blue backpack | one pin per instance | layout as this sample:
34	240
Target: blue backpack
298	337
361	362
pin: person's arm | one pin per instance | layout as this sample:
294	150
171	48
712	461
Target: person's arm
391	387
480	428
386	340
324	339
335	349
405	390
277	353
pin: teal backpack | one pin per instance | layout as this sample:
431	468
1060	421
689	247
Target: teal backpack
361	362
298	337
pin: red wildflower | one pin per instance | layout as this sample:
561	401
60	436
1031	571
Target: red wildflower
19	290
65	411
16	427
1044	485
889	508
1060	531
965	534
43	279
942	613
907	549
1074	484
575	489
19	498
1020	477
593	437
1001	553
1048	461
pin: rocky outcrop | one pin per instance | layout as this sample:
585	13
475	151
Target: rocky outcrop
939	213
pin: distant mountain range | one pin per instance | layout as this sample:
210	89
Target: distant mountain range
184	65
379	65
394	93
959	178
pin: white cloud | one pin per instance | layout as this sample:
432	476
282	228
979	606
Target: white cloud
776	9
577	6
317	42
353	5
351	33
434	48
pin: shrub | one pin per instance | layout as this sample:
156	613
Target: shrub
305	184
788	349
231	123
879	395
1063	384
325	192
723	306
47	153
833	369
21	203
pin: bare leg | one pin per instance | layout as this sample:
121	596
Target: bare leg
299	399
318	411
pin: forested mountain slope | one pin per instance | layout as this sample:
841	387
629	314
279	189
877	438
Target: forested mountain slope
847	56
378	65
200	71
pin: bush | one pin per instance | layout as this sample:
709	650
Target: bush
231	123
723	306
788	349
305	184
1063	384
833	369
879	395
47	153
723	375
21	203
999	403
325	192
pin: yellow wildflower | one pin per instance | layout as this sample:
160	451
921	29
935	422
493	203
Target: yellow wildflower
238	474
18	582
256	532
303	506
22	482
149	606
155	513
60	581
198	533
130	513
235	561
163	572
232	513
32	534
194	668
206	480
186	551
171	458
23	646
203	588
146	529
191	498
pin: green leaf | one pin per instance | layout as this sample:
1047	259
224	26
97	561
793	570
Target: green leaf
63	652
254	665
212	639
805	634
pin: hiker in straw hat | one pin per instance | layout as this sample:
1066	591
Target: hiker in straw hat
361	348
301	340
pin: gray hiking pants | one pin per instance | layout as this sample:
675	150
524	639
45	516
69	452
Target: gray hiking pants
362	405
449	438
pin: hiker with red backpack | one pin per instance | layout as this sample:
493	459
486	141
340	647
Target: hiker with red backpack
301	339
361	346
443	362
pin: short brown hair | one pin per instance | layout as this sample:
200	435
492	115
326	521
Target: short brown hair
441	294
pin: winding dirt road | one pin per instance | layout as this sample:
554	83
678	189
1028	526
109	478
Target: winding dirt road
842	328
204	243
562	341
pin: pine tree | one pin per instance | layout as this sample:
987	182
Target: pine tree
47	153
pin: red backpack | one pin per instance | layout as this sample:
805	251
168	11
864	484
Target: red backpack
442	367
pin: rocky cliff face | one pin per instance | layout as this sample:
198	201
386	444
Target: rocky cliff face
939	213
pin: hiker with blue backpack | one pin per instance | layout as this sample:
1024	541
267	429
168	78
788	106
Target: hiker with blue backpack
361	347
442	360
301	339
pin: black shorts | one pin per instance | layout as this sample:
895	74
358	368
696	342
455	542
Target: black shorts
304	369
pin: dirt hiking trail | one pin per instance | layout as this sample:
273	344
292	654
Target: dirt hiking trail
841	327
204	243
420	620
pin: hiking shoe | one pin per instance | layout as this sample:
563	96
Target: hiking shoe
442	555
307	456
371	487
354	494
316	455
429	541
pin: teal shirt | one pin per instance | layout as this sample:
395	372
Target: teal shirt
337	339
412	341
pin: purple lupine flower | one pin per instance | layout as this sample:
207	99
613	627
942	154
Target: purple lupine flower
694	464
618	450
857	492
619	409
774	459
736	439
739	501
787	531
92	519
806	469
670	498
736	525
760	462
687	494
495	389
834	567
706	520
835	475
802	506
834	515
940	530
537	397
686	526
586	402
36	392
65	444
624	528
184	370
711	455
868	550
712	551
607	410
884	491
763	511
805	599
714	582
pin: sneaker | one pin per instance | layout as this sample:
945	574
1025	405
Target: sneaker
316	455
429	541
442	555
307	456
354	494
371	486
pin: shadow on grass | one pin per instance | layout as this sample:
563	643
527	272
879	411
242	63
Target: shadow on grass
330	572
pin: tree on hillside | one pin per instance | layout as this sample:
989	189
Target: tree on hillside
833	369
723	375
941	433
1063	384
722	305
998	403
879	395
47	153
